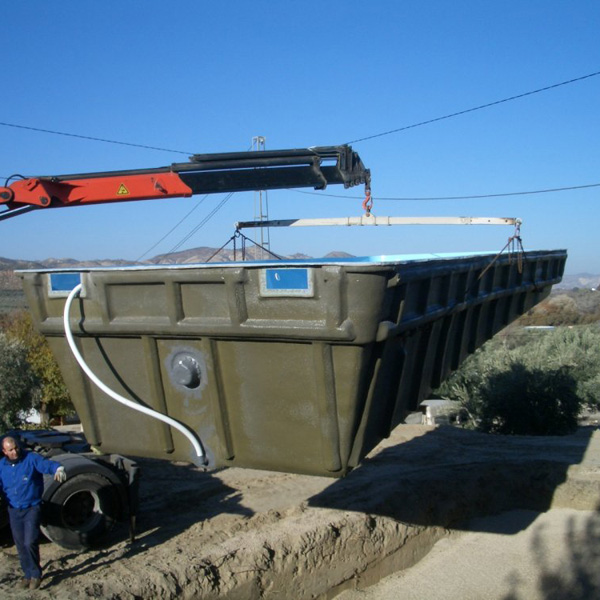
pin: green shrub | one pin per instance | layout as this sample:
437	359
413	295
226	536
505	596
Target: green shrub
530	383
18	384
52	399
526	401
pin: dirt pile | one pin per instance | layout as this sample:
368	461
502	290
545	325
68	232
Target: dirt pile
255	534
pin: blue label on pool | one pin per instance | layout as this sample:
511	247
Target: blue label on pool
63	282
287	282
287	279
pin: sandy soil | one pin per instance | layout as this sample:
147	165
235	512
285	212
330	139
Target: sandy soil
255	534
518	555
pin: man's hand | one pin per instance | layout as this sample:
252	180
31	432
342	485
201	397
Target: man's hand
60	475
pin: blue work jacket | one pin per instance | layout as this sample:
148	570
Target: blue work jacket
22	481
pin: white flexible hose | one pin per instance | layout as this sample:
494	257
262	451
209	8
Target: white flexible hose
147	411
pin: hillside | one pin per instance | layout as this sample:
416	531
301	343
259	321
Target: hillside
581	280
12	297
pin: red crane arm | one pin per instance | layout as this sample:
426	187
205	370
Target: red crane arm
204	174
43	192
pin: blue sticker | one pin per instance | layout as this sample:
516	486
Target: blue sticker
286	282
61	284
287	279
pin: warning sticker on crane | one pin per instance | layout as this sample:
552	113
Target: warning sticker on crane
122	191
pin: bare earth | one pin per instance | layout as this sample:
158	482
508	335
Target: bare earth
518	555
255	534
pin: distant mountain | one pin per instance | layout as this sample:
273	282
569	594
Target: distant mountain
339	254
9	281
203	254
10	264
581	280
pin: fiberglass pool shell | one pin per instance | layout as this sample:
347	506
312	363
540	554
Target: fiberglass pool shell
298	366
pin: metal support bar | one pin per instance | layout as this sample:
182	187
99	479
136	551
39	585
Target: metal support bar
7	214
372	220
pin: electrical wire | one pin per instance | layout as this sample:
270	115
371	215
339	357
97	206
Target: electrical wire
473	109
7	179
204	221
472	197
93	139
139	258
356	141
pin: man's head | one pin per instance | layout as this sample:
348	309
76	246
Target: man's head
10	448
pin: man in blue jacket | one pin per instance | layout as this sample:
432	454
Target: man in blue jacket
22	483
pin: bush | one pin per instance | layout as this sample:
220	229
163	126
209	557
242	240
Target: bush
53	399
535	387
18	384
574	307
524	401
576	349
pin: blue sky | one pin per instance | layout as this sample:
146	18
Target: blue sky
201	77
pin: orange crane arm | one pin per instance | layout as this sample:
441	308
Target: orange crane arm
204	174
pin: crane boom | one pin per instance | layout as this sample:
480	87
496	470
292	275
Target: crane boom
203	174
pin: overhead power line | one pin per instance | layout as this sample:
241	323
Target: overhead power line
363	139
183	219
473	109
91	138
471	197
204	221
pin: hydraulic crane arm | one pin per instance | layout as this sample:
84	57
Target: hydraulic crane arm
203	174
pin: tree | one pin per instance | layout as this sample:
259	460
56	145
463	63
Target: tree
53	398
18	383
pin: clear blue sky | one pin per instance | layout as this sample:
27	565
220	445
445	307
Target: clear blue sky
204	77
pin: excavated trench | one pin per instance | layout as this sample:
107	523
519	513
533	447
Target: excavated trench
256	534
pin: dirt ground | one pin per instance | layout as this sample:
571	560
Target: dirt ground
250	534
518	555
